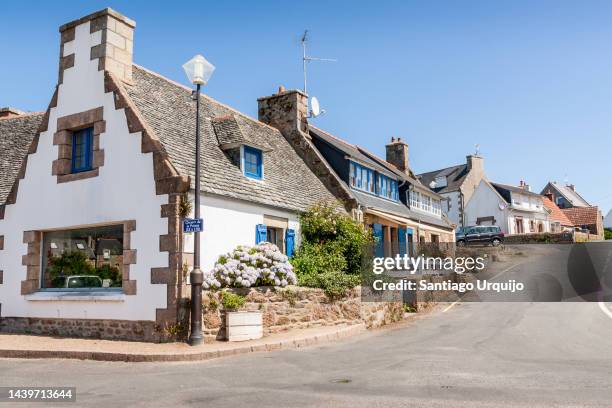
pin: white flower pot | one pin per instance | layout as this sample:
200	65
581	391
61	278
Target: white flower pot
241	326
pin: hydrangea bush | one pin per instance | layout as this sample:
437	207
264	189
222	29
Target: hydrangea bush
246	266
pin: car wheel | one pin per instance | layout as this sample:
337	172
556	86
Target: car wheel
496	242
460	243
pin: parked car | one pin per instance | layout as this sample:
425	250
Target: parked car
81	281
479	234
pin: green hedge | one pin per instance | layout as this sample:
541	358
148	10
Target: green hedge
330	256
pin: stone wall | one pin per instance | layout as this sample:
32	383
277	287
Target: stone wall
299	308
543	238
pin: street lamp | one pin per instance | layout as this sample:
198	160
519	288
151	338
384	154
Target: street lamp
198	71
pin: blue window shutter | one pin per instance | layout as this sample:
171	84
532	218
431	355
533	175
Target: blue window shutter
260	233
379	248
401	240
410	239
290	242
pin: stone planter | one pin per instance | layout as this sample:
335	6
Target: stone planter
241	326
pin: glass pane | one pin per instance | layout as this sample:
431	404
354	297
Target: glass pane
83	258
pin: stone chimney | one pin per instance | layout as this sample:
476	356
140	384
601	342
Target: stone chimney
106	36
287	110
524	186
475	163
549	196
397	154
9	112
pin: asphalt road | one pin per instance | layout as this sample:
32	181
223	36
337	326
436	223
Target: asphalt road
472	354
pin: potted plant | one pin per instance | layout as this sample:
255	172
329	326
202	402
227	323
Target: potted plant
240	325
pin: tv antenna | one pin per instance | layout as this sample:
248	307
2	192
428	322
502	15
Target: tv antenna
477	146
306	59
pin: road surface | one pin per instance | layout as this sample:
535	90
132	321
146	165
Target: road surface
473	354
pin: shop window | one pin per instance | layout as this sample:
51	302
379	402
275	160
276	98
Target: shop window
83	259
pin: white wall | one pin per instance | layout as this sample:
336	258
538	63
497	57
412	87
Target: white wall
485	202
452	209
229	223
124	190
608	220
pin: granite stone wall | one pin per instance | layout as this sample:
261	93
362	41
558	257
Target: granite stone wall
299	308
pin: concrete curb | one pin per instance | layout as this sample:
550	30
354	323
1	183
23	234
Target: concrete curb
195	355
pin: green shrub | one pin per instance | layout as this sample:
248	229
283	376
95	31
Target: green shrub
232	301
330	257
68	264
608	234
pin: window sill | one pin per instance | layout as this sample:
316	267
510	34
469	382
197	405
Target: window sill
68	296
66	178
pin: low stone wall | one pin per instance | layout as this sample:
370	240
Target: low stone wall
85	328
299	308
540	238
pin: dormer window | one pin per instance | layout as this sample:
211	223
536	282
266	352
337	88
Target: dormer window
361	178
387	187
252	162
82	150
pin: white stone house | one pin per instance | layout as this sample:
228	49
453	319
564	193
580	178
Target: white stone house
516	210
101	177
456	184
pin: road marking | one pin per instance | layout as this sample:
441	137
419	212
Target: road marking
604	308
504	271
495	277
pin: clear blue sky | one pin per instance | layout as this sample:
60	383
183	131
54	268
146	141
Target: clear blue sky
531	82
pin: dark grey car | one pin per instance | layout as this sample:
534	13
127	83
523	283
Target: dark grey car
479	234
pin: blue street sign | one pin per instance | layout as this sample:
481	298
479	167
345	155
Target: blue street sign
193	225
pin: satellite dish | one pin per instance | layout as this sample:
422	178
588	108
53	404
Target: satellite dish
315	109
502	206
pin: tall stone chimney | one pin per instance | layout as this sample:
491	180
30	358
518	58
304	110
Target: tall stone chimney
475	163
397	154
106	36
286	110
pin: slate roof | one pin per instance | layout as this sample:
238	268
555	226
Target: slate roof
556	214
369	200
504	189
349	150
16	134
572	196
454	178
582	215
169	109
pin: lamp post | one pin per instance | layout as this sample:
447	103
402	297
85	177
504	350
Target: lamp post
198	71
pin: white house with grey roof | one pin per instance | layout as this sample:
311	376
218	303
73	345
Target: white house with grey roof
456	184
516	210
102	177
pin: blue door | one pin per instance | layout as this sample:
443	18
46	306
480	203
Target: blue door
410	240
401	240
379	245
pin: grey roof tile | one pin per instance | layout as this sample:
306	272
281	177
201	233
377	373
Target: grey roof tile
170	111
16	135
454	178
